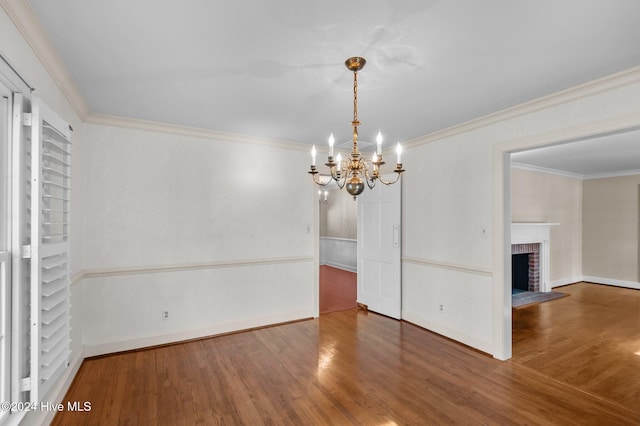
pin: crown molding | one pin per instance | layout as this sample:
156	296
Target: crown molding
29	25
584	90
613	174
548	171
154	126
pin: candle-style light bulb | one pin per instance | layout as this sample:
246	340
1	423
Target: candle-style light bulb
331	142
399	153
313	155
379	143
339	161
326	193
374	157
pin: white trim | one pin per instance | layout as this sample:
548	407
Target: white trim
611	281
77	277
591	88
349	240
206	332
149	269
57	394
613	174
154	126
536	233
596	280
344	267
10	77
501	335
478	270
530	232
565	281
545	170
26	21
501	193
341	253
448	333
538	169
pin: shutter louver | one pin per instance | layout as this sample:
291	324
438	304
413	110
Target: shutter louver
50	270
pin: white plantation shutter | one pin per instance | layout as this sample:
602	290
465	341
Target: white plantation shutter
20	238
50	195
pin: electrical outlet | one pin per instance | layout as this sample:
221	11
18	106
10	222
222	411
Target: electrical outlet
441	308
165	315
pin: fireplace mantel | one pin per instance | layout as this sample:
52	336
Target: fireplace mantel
530	232
535	233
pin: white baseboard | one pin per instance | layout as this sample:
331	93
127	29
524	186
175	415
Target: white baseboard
596	280
344	267
96	349
451	334
565	281
56	395
613	282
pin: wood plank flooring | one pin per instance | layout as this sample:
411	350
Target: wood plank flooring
353	367
338	289
589	340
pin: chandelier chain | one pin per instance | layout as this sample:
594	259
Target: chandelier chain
355	97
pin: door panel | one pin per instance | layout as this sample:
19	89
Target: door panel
379	277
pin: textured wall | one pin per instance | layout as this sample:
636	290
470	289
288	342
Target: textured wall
542	197
339	215
452	200
610	212
211	231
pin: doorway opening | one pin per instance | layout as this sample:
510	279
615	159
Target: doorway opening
546	183
338	251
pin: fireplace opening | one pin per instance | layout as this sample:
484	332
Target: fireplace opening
520	272
530	254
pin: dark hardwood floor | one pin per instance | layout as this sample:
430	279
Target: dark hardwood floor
353	367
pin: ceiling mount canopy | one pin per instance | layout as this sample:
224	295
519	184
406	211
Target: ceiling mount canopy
351	171
355	64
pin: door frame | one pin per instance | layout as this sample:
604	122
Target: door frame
501	235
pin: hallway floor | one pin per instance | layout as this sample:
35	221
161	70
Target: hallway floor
337	289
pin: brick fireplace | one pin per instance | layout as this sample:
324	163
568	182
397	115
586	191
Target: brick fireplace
533	239
533	250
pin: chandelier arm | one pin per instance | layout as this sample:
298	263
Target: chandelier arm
391	182
339	175
318	181
371	180
334	173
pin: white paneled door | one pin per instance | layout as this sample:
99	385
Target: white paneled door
379	268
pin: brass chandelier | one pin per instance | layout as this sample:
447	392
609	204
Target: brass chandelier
355	170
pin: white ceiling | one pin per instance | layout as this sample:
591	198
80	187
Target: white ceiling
601	156
274	68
